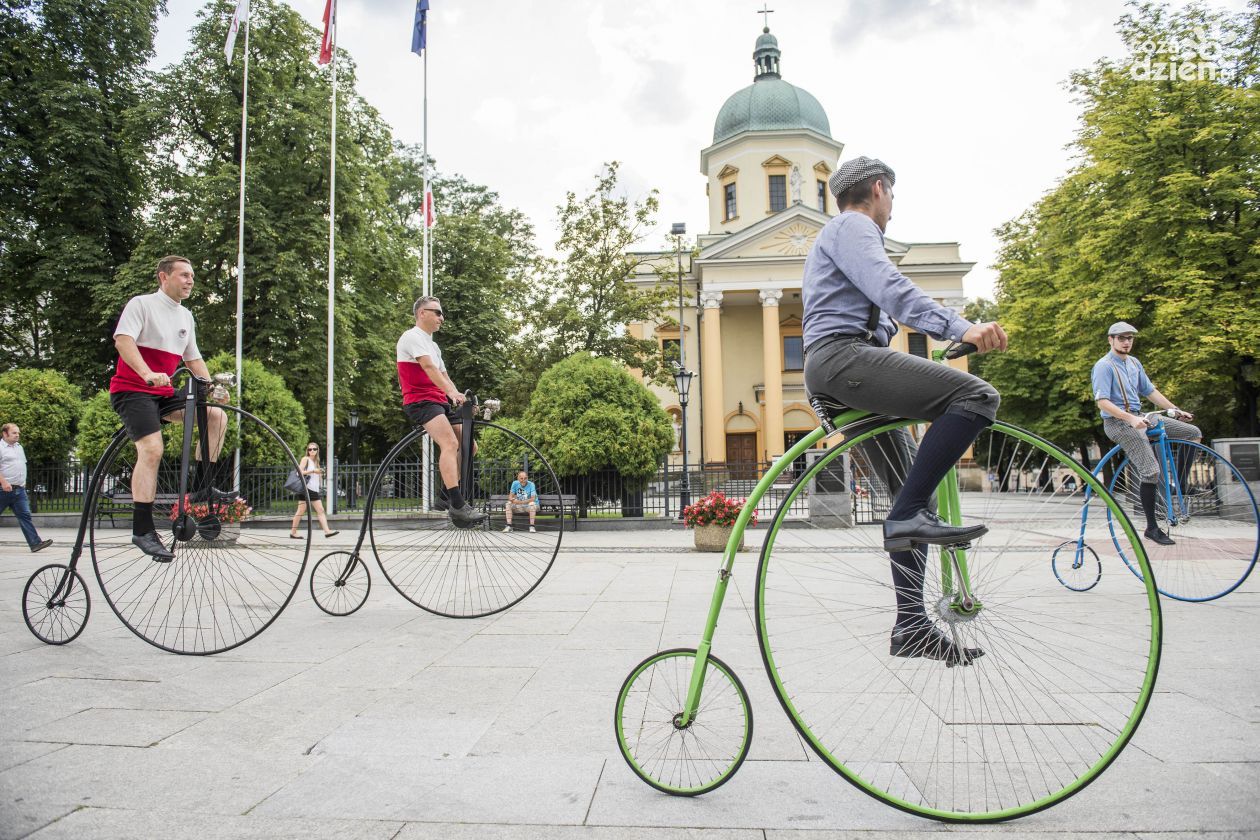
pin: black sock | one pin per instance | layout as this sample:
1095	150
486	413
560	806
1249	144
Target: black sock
1147	491
142	519
942	446
206	475
455	497
907	576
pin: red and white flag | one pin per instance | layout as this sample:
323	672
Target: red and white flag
239	19
328	44
430	212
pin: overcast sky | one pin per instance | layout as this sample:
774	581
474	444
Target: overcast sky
965	100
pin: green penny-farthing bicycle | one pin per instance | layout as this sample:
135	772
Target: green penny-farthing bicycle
1062	686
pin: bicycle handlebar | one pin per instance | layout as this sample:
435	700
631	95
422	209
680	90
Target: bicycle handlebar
962	348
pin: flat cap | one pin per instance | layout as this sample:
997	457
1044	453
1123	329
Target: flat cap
853	172
1121	328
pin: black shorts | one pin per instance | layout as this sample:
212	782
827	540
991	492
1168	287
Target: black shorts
422	412
142	413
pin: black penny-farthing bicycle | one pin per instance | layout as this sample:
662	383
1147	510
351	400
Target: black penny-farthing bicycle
233	571
441	567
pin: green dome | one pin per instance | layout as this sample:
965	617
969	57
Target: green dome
769	103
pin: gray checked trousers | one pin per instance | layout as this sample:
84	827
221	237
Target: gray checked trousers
1137	445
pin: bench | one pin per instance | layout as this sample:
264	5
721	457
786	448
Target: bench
554	504
117	502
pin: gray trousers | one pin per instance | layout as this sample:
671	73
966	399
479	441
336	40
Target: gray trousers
864	376
1137	445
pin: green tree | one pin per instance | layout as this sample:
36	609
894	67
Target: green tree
72	75
582	302
46	407
1158	225
589	414
195	111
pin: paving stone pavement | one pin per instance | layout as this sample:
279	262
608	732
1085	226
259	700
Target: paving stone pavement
394	723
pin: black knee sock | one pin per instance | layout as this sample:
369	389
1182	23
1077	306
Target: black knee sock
455	497
942	446
1147	491
204	475
907	576
142	519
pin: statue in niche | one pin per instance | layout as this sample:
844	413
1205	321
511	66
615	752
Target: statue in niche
796	180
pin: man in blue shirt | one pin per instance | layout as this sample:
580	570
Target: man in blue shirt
851	292
522	498
1120	382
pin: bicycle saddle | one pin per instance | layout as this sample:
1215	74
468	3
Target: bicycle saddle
826	407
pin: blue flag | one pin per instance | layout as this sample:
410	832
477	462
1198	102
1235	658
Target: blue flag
419	32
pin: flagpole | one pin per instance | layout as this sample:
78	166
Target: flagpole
331	474
240	260
426	283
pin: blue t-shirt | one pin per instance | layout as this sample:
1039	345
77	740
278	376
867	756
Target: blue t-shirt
1106	380
525	490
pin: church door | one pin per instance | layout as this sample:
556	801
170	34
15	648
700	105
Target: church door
741	454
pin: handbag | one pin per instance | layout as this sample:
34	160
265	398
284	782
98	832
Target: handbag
295	484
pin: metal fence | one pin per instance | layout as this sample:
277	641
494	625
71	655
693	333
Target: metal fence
59	488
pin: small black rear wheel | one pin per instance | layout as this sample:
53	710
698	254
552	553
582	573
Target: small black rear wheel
56	604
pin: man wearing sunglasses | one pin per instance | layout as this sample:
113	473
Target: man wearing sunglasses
428	397
1120	382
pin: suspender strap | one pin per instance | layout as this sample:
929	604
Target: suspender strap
872	321
1124	395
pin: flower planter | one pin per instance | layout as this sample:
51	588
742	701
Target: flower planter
715	537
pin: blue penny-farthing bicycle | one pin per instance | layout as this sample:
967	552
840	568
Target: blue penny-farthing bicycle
1063	683
1202	502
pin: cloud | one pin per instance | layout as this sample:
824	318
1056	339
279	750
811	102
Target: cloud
898	18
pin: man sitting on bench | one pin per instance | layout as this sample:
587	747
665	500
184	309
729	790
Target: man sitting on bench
522	498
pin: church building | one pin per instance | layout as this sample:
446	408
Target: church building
766	178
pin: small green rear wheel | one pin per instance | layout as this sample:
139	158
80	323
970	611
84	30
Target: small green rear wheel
683	760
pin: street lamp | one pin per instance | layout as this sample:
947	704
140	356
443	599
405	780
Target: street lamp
682	381
682	377
354	452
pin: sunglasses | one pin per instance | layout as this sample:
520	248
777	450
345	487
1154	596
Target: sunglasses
312	449
437	312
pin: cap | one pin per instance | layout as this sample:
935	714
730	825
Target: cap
1121	328
853	172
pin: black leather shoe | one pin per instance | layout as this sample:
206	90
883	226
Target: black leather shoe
927	527
151	545
466	517
930	643
1159	537
205	494
41	546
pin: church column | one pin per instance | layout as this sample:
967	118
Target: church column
711	382
772	362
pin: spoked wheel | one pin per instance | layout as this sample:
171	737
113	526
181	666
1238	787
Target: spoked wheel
1213	522
1076	565
464	572
231	577
340	583
1064	680
683	759
56	604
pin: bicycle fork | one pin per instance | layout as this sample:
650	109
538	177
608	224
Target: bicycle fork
962	600
696	687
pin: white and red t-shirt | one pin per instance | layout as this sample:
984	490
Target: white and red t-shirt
164	332
415	383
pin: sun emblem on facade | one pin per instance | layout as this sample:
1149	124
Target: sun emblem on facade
793	241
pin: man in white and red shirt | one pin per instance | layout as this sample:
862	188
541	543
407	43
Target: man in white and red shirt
428	396
154	336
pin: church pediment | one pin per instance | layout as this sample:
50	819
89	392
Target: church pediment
789	234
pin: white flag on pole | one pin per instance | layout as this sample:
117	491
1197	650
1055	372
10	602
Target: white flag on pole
240	17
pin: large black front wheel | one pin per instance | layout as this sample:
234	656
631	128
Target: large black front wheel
456	571
235	567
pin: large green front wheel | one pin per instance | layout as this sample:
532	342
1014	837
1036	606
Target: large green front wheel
1065	677
685	759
